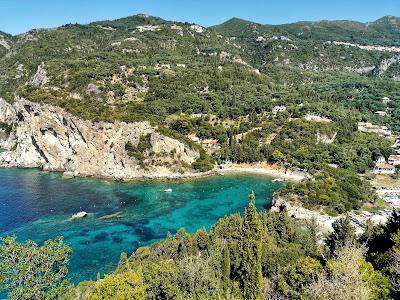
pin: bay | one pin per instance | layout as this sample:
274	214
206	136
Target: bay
122	216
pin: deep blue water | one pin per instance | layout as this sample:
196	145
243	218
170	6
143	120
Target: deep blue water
37	205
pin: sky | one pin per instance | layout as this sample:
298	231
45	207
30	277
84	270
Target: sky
18	16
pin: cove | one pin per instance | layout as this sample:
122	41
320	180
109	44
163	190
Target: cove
37	205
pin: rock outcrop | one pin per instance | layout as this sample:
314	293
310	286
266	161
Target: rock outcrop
4	42
298	212
48	137
325	139
385	65
40	78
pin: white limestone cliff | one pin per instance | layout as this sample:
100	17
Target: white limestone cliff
50	138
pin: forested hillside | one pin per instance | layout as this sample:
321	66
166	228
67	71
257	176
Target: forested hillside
223	83
290	95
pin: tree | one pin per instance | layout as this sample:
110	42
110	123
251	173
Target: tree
343	279
123	286
182	125
396	262
226	266
29	271
250	271
397	174
379	285
278	156
343	233
293	277
163	279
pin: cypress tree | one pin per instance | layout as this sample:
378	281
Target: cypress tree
226	265
123	262
250	271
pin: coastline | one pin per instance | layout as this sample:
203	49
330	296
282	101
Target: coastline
262	169
71	175
265	169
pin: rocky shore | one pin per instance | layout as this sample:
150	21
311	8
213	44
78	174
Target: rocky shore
298	212
43	136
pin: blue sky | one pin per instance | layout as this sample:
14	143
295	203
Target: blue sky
18	16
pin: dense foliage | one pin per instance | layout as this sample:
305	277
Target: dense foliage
30	271
260	256
337	190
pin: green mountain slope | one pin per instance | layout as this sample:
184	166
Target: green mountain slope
313	45
143	67
384	31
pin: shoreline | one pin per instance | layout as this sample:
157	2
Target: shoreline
265	169
71	175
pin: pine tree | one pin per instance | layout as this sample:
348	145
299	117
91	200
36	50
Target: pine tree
250	276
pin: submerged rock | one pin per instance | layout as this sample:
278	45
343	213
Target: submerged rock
117	215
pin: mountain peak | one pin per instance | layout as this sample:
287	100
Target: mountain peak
387	20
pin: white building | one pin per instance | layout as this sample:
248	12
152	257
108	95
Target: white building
394	160
381	160
381	113
316	118
386	100
213	144
151	28
278	109
384	168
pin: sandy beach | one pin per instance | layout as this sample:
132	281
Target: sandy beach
266	169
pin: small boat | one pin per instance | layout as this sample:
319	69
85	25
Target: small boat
79	215
168	190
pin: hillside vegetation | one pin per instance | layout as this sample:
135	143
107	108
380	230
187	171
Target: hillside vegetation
289	95
223	83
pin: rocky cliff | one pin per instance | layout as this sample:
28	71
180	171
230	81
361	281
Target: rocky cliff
43	136
295	210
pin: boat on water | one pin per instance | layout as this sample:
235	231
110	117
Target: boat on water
168	190
79	215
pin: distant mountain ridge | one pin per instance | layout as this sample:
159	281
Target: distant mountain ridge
384	31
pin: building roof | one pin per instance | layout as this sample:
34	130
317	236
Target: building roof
380	112
384	166
394	157
210	142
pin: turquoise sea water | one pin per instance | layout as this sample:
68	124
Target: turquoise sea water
37	205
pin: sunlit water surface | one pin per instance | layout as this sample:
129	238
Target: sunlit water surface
38	206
